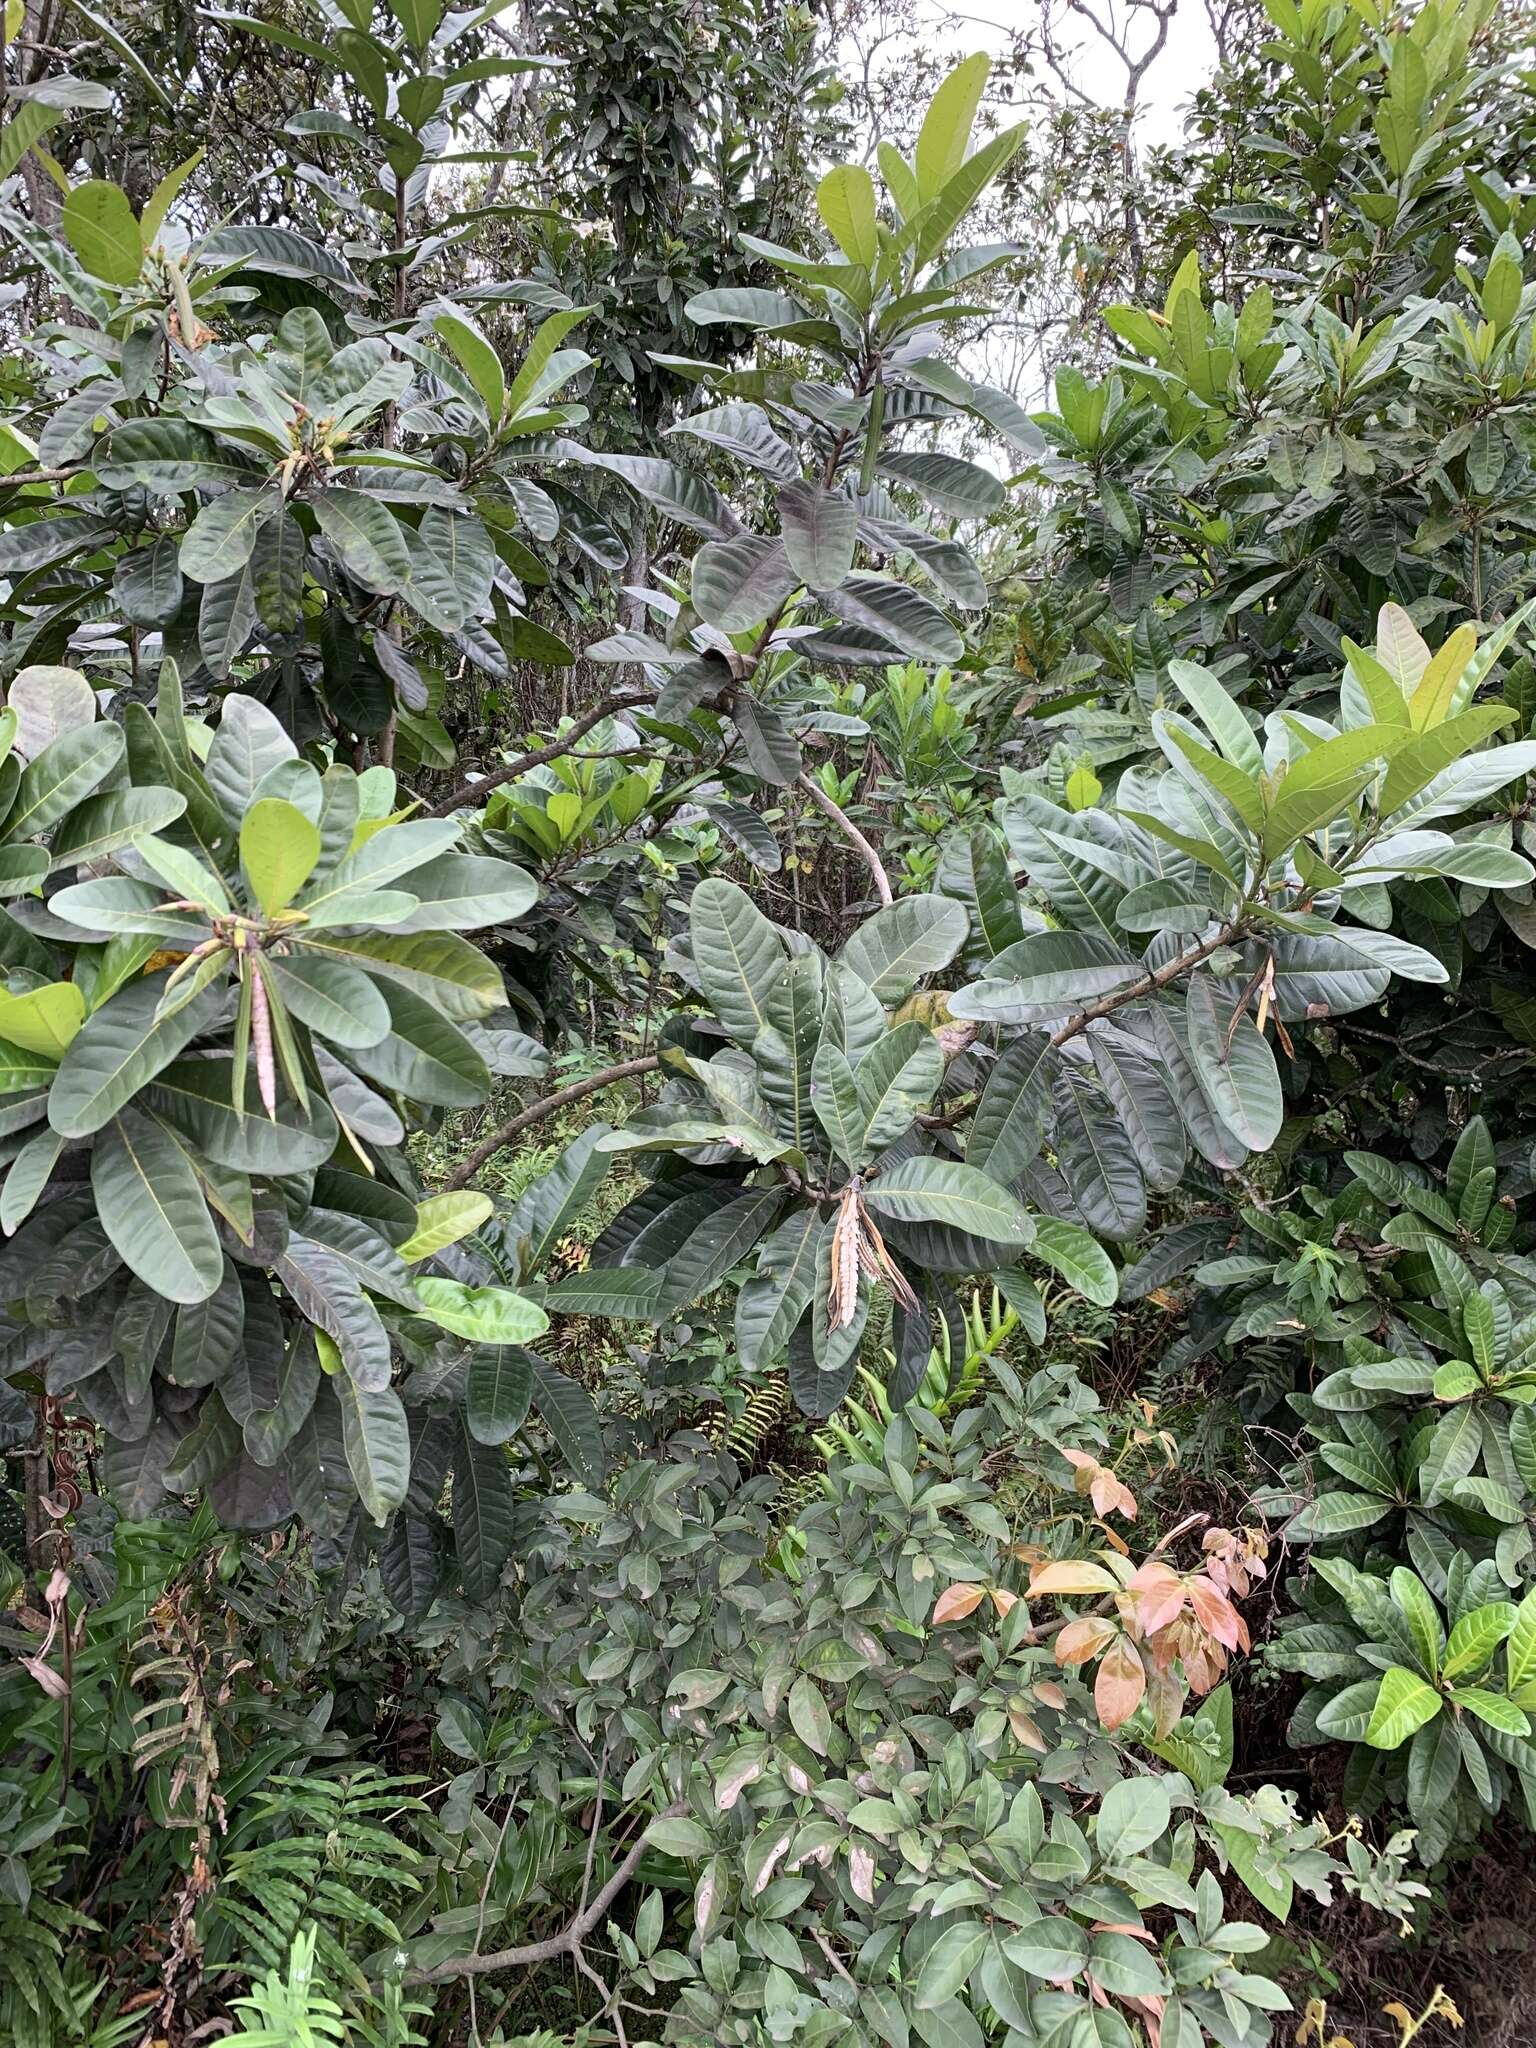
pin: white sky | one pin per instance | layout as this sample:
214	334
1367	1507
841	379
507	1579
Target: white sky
1183	66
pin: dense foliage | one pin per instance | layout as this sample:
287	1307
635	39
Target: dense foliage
842	1546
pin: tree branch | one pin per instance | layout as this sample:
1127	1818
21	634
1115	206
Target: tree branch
566	1943
536	1113
850	832
1149	984
471	792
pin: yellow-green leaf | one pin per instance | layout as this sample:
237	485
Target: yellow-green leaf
1435	691
1403	1704
946	130
43	1020
279	848
845	199
442	1220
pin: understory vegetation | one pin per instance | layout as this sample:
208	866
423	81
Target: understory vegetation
766	1250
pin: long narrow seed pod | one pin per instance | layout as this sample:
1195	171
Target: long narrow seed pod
261	1038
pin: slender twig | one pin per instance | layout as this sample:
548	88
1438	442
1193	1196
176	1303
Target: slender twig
475	792
850	832
536	1112
566	1943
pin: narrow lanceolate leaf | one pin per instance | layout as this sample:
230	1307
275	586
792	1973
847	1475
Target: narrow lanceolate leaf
484	1514
152	1208
942	1191
1235	1065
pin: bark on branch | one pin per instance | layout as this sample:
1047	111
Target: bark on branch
566	1943
536	1112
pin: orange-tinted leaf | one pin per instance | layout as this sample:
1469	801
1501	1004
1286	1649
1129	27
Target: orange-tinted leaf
1025	1731
1113	1538
1118	1689
1083	1639
1074	1575
1049	1693
1003	1600
956	1602
1111	1495
1159	1595
1216	1614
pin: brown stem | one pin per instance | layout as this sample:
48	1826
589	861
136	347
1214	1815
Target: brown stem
470	792
1149	984
850	832
536	1113
566	1943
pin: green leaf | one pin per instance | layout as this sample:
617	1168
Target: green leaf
419	19
327	1291
1493	1710
1403	1704
63	775
103	824
738	954
497	1393
809	1715
1079	1258
1009	1124
42	1020
1521	1654
425	1057
484	1515
946	131
820	528
151	1206
736	583
947	1967
441	1220
478	357
117	1051
103	232
1207	698
897	1080
1235	1065
1052	1947
909	623
168	455
905	941
219	541
1047	974
845	199
835	1099
279	850
941	1191
365	534
1134	1813
331	998
771	1303
1476	1636
378	1443
567	1412
485	1315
